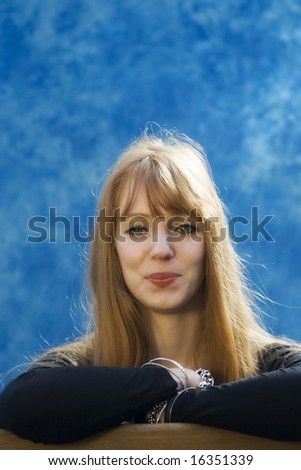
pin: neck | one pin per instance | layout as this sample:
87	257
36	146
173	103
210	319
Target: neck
173	336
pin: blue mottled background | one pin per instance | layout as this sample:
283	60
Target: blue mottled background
80	79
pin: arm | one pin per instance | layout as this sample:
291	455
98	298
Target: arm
61	404
266	405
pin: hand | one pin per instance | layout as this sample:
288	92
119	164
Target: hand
184	380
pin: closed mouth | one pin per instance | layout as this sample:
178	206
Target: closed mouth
162	276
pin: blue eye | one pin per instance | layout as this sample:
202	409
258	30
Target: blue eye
185	229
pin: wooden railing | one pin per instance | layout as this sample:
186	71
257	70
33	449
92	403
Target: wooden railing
176	436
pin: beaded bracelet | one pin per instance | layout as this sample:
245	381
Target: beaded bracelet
153	416
206	378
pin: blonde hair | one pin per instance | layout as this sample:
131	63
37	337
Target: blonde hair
175	175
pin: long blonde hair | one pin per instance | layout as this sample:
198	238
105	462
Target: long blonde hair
174	173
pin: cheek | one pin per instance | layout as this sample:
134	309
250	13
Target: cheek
122	255
128	256
196	251
197	257
129	261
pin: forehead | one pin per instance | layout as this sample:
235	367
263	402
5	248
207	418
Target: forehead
153	193
139	203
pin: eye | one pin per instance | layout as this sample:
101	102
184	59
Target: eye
185	229
136	230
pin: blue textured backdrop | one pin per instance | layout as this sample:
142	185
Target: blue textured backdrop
79	79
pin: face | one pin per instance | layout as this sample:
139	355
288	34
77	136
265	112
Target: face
162	259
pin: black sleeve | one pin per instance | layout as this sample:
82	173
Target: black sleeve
266	405
64	404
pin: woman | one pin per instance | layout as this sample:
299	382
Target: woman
175	336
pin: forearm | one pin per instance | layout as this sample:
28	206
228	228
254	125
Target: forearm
63	404
266	405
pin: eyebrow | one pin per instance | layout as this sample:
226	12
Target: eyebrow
138	214
150	216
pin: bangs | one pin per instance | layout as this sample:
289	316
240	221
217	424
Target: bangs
165	188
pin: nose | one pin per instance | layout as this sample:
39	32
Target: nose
162	247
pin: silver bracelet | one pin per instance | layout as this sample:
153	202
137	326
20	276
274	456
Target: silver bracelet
153	416
175	363
170	405
154	362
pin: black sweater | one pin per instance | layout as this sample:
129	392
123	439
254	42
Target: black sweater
66	403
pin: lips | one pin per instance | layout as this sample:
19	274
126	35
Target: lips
163	279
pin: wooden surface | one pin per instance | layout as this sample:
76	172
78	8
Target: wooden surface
160	436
